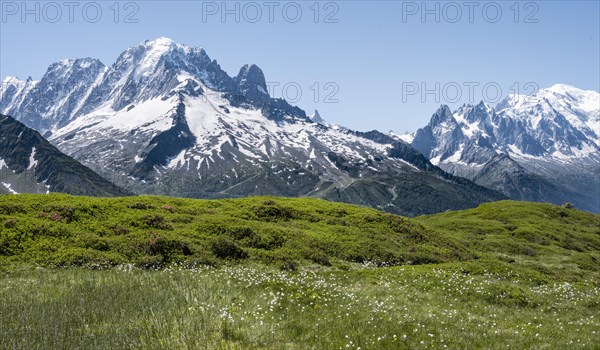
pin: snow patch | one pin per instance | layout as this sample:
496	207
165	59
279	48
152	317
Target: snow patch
32	162
408	137
177	161
456	156
8	187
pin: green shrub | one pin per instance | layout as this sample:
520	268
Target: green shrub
226	248
82	257
12	208
92	241
156	221
319	258
271	211
529	251
62	212
586	261
141	206
10	223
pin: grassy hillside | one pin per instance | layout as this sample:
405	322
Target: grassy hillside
555	242
60	230
276	273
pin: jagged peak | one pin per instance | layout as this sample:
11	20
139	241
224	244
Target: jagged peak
479	106
70	67
75	63
442	114
479	112
482	105
443	109
252	83
250	69
317	118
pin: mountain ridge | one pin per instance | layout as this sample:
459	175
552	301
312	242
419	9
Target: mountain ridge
548	144
30	164
166	119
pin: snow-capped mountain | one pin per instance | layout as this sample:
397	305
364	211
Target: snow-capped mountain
30	164
53	101
544	147
165	118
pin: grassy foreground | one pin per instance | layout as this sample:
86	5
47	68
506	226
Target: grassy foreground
274	273
416	307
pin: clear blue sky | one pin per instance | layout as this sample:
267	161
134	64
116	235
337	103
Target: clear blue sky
372	52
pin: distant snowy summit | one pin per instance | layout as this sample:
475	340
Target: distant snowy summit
544	147
560	123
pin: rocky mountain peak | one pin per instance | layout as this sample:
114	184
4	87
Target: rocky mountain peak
442	115
71	70
317	118
251	83
480	113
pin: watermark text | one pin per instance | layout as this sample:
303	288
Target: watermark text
68	11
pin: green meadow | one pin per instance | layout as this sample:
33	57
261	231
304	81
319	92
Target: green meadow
279	273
